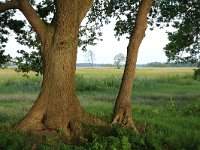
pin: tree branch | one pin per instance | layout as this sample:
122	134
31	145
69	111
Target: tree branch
84	6
13	4
33	18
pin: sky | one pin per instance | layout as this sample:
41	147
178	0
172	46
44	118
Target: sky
151	49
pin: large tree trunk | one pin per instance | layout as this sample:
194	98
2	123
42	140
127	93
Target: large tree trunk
57	107
122	110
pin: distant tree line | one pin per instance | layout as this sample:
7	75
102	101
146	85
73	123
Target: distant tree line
160	64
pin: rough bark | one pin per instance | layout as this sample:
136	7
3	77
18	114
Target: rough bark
57	107
122	110
13	4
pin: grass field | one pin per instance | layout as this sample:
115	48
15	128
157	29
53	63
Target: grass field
165	106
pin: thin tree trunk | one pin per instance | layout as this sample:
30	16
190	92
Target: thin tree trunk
122	110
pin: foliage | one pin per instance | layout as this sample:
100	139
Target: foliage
196	75
90	32
109	142
21	141
184	41
13	23
159	129
4	20
182	15
159	64
118	60
29	62
4	59
124	13
192	109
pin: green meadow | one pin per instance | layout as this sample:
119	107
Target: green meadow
165	107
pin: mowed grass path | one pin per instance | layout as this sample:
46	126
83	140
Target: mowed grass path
165	103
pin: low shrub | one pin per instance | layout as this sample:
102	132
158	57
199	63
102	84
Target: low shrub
192	109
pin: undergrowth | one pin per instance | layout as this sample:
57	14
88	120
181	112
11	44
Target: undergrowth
166	110
169	127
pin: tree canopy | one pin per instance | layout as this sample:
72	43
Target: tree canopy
181	15
89	34
184	41
13	23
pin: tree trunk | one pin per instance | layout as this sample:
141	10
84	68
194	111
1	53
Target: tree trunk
57	107
122	110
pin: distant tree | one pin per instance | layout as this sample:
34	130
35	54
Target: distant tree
107	65
168	64
90	56
157	64
118	60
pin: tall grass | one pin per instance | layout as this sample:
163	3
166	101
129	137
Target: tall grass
31	84
165	106
152	84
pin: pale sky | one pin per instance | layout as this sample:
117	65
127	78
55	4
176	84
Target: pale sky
151	49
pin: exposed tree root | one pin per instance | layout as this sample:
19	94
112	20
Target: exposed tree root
69	133
91	119
39	121
32	121
23	126
125	120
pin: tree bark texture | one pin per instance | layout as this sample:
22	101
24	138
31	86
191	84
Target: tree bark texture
122	110
57	106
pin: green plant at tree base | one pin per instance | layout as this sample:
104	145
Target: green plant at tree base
196	75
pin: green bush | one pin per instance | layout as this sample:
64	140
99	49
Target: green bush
192	109
196	75
9	141
109	143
